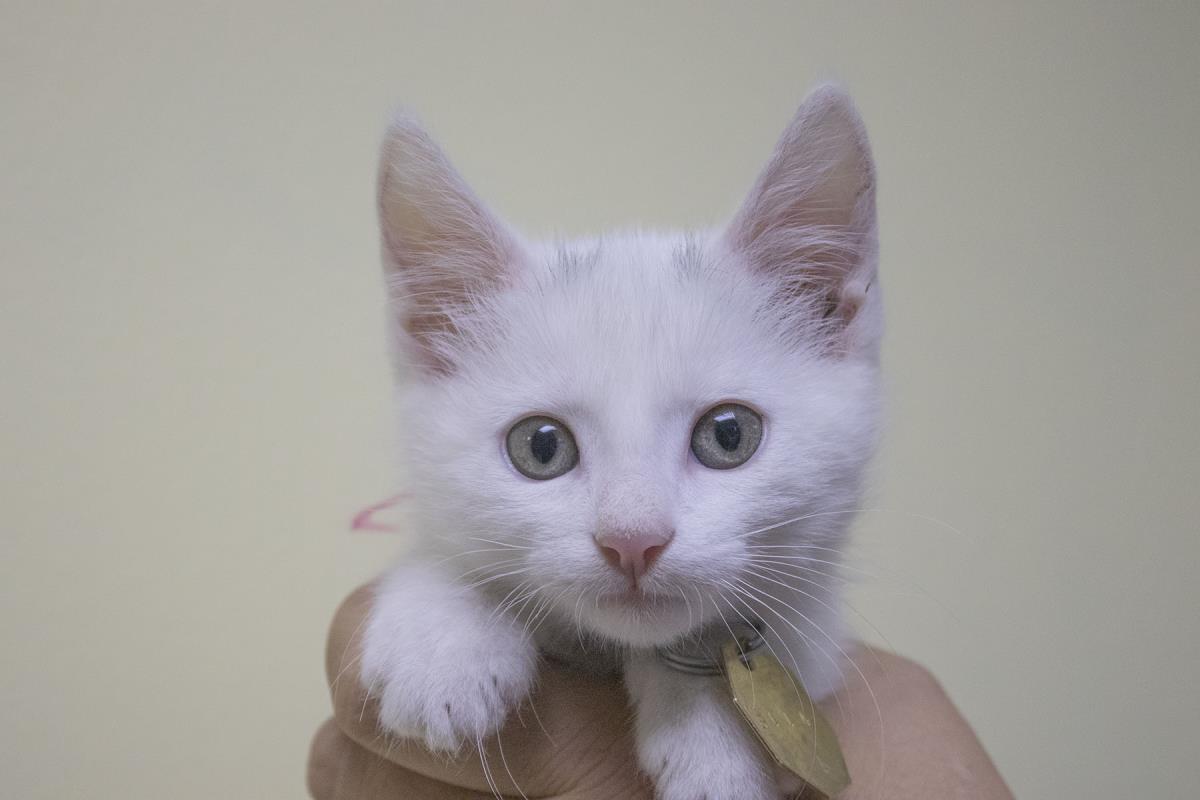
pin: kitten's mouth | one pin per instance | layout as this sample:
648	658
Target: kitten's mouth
639	617
636	600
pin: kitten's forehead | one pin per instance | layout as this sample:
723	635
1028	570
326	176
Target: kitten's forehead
637	316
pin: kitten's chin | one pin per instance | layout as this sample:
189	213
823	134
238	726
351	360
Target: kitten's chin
640	620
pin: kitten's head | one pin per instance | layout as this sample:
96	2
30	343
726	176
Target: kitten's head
606	430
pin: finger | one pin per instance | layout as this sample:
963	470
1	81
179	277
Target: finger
916	745
573	731
340	769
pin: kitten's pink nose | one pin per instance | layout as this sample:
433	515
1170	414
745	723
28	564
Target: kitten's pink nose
633	552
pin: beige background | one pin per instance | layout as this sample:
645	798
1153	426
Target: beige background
196	393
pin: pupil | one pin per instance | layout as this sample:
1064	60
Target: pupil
727	431
544	443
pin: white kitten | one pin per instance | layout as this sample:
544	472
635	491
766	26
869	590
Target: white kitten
627	443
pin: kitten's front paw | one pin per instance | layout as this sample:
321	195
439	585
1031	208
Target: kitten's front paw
708	770
443	668
451	700
691	740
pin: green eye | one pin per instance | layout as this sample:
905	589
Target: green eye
726	436
542	448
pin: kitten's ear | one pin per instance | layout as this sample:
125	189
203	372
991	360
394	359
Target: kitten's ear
809	221
441	245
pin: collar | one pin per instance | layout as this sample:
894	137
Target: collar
707	661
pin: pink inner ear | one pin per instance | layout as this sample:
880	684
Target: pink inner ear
365	520
441	245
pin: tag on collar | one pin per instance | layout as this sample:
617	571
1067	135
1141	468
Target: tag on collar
785	719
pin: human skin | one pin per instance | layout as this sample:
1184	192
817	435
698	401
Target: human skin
901	736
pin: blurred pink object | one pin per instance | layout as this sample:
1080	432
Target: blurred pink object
365	520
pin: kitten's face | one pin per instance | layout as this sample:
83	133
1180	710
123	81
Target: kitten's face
620	514
627	349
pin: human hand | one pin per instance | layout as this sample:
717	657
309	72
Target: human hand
572	739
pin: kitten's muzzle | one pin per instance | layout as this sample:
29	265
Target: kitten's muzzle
633	552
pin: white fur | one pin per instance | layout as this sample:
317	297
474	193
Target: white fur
627	339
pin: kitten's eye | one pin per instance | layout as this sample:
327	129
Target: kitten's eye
542	448
726	436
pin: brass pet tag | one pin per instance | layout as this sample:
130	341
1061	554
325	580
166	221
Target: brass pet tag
785	719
